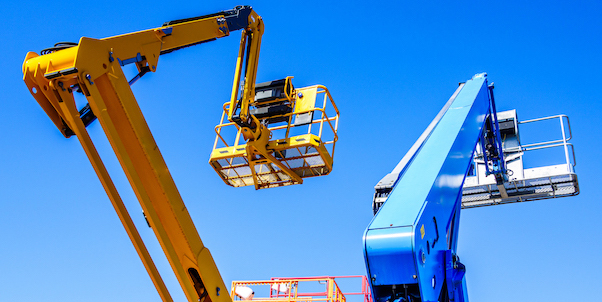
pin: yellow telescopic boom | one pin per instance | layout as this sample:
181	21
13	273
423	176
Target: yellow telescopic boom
93	67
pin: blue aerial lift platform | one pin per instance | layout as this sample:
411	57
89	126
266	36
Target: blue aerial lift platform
411	243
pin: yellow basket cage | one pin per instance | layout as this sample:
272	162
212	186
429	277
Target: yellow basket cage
302	141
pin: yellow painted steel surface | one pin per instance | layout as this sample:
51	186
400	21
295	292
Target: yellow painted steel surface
250	44
303	155
307	103
93	66
286	158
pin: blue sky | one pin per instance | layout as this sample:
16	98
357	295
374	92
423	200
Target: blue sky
390	67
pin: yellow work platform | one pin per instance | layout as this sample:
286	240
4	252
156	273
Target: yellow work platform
308	153
304	154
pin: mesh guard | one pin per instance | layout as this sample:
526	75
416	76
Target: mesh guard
304	154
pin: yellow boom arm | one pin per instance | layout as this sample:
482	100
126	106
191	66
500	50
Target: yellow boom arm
93	67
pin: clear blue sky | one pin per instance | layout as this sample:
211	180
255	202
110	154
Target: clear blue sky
390	67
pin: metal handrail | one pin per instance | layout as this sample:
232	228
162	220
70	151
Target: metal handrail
365	285
320	121
560	116
332	292
554	143
281	127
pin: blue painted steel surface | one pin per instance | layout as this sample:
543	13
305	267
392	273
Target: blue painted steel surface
454	274
413	236
391	246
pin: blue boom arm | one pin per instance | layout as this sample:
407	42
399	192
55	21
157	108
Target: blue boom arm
410	245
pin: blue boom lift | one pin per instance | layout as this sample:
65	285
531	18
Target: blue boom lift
468	156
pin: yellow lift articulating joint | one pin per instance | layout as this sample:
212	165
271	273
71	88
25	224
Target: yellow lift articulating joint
271	106
258	110
189	32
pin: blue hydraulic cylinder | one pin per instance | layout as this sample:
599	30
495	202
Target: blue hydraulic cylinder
410	244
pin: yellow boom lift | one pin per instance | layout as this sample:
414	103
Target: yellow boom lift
93	67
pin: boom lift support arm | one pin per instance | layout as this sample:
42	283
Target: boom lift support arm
93	67
254	132
410	245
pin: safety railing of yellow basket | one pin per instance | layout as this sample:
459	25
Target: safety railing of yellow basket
323	119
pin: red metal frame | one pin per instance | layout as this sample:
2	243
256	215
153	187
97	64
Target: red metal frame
365	290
